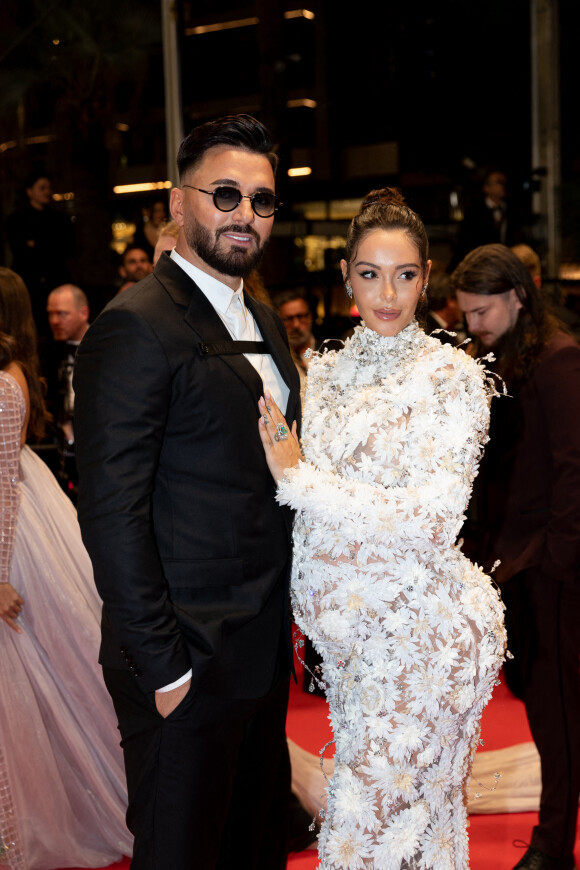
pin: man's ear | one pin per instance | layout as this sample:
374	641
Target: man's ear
176	205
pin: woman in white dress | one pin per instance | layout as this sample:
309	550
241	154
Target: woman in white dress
410	632
62	786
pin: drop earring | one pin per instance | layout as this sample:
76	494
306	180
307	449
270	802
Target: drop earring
424	290
348	288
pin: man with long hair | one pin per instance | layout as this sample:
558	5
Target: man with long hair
531	519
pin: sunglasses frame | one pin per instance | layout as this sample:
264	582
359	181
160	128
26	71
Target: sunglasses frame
251	197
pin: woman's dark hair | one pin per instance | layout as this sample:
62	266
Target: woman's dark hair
18	343
491	270
237	131
385	209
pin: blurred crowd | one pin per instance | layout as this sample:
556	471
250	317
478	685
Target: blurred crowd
41	243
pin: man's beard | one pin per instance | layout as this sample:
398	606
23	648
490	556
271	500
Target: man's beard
298	338
236	262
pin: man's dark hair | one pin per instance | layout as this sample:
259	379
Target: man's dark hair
491	270
236	131
439	292
490	170
130	248
290	296
35	175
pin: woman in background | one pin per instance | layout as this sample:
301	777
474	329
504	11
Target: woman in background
62	792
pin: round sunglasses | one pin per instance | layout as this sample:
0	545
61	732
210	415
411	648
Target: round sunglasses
229	198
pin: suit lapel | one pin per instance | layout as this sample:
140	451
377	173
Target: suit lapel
280	353
204	321
272	337
207	326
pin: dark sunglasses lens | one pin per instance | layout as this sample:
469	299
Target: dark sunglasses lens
226	198
264	204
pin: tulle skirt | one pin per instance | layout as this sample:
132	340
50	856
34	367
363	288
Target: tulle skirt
58	731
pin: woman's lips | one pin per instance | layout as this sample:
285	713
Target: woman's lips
387	313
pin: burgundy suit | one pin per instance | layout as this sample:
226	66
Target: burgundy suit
532	468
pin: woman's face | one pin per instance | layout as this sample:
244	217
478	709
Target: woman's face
387	280
158	214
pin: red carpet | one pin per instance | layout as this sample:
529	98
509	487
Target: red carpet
491	836
504	723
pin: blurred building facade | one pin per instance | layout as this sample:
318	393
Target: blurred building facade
422	96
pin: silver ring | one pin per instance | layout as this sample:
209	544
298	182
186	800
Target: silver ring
281	431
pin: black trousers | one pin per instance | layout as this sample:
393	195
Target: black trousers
209	785
543	624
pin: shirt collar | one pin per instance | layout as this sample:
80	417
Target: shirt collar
218	293
494	205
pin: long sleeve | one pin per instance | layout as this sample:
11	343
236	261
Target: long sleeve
11	413
391	451
119	429
407	472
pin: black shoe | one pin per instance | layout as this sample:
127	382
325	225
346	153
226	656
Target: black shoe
534	859
300	837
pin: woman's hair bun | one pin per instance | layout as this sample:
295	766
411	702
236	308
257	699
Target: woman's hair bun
385	196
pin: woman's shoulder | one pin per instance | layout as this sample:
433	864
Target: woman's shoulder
454	358
323	359
455	368
13	382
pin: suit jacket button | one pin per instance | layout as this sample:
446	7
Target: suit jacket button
137	673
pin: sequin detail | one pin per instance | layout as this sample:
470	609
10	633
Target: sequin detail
12	415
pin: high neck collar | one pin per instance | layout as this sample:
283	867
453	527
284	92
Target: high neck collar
367	341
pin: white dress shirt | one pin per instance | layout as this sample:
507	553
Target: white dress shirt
220	296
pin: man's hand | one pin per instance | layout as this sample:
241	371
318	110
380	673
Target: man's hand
10	606
166	702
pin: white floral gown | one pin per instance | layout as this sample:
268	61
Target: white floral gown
410	632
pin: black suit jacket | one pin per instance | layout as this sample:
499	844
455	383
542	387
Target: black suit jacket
191	552
479	228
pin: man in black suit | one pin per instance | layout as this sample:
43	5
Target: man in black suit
190	550
42	243
491	218
67	308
